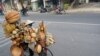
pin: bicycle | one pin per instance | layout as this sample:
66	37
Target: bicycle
46	52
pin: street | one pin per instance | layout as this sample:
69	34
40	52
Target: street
76	34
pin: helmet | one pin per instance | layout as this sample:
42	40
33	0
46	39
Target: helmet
12	16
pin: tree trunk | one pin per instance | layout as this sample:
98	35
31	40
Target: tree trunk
74	3
21	2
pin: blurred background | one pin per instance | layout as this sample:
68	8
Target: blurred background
49	5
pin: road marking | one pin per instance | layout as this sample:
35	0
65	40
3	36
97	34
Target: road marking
5	44
49	22
5	40
1	37
74	23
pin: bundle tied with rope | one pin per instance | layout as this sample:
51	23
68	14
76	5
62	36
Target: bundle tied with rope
9	24
12	16
45	38
41	35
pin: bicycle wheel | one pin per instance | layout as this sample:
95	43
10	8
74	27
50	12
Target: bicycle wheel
49	52
43	53
46	52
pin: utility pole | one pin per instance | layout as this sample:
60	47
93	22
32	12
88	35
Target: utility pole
11	4
59	3
44	4
87	1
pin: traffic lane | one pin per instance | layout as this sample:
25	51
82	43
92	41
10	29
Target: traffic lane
5	49
85	17
80	17
75	39
5	43
72	39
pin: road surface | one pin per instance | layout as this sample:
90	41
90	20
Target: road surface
76	34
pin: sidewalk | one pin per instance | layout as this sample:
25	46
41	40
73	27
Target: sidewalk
93	9
83	10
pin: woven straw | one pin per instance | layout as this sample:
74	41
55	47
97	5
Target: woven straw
12	16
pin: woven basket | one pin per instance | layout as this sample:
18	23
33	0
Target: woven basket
12	16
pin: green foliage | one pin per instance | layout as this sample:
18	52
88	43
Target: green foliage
66	6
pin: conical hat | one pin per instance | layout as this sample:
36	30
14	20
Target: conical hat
28	22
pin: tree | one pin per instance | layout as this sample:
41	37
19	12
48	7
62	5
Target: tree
74	3
21	2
